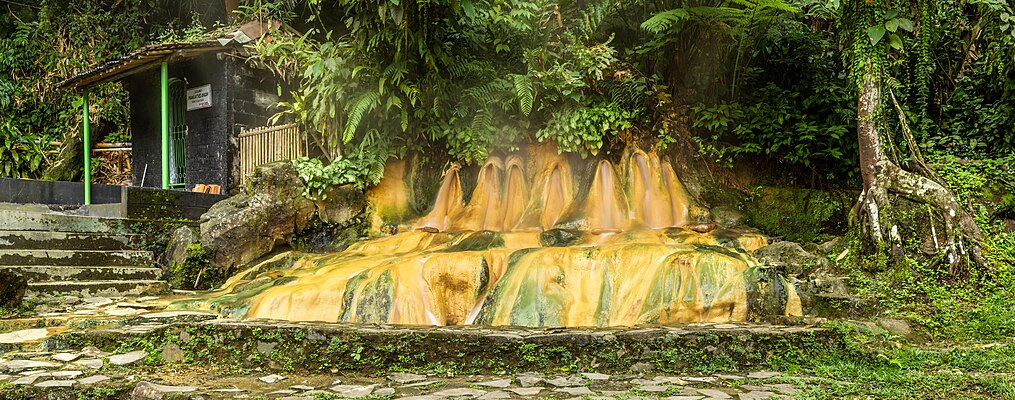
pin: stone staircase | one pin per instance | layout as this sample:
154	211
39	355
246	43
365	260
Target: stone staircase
63	254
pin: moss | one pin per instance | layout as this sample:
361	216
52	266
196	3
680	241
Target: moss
799	215
196	272
26	308
349	349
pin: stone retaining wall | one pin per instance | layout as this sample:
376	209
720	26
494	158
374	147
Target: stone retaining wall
276	346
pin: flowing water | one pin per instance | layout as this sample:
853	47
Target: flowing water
534	245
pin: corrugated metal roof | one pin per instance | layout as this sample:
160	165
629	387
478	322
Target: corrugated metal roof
152	56
141	60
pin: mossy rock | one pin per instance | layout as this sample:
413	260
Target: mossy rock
799	215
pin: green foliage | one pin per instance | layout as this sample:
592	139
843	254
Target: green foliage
584	130
666	20
21	153
467	77
892	23
978	118
358	169
798	215
587	95
795	106
193	32
956	80
976	308
196	272
45	44
25	309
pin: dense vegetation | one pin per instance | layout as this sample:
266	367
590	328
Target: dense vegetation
43	43
768	81
769	78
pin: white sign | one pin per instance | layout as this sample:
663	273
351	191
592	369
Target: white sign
198	98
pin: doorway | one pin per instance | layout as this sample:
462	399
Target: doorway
177	134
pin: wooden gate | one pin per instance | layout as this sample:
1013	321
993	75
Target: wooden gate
265	144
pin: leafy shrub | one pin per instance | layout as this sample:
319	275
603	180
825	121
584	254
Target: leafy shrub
21	153
583	130
978	120
359	170
794	106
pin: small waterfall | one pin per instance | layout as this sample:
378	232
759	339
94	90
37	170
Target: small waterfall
516	195
531	250
484	210
678	198
556	196
448	203
658	197
606	206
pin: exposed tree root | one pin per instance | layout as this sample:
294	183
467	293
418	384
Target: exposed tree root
884	178
962	236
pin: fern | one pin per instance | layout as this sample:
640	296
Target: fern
664	21
360	105
482	121
490	92
395	72
525	92
763	4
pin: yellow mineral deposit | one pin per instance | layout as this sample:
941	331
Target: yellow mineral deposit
527	249
389	197
606	206
448	203
484	210
552	191
516	195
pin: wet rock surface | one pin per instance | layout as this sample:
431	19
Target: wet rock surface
244	227
790	256
176	251
12	289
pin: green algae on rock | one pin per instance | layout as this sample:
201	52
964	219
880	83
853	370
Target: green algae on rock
536	244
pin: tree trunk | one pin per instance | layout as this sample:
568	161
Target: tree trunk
883	178
231	7
872	197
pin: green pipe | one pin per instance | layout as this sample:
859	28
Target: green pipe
87	142
165	126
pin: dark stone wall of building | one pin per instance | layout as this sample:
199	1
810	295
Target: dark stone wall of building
241	96
208	149
253	92
145	128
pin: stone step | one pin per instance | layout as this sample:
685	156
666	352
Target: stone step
284	346
48	273
68	240
19	324
99	288
37	221
123	258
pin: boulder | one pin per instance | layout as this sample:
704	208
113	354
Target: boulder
247	226
727	217
176	251
242	228
12	289
789	256
67	165
341	205
153	391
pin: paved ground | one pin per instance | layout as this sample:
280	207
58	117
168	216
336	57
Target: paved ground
37	374
28	370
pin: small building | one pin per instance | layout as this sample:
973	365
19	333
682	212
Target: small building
198	113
